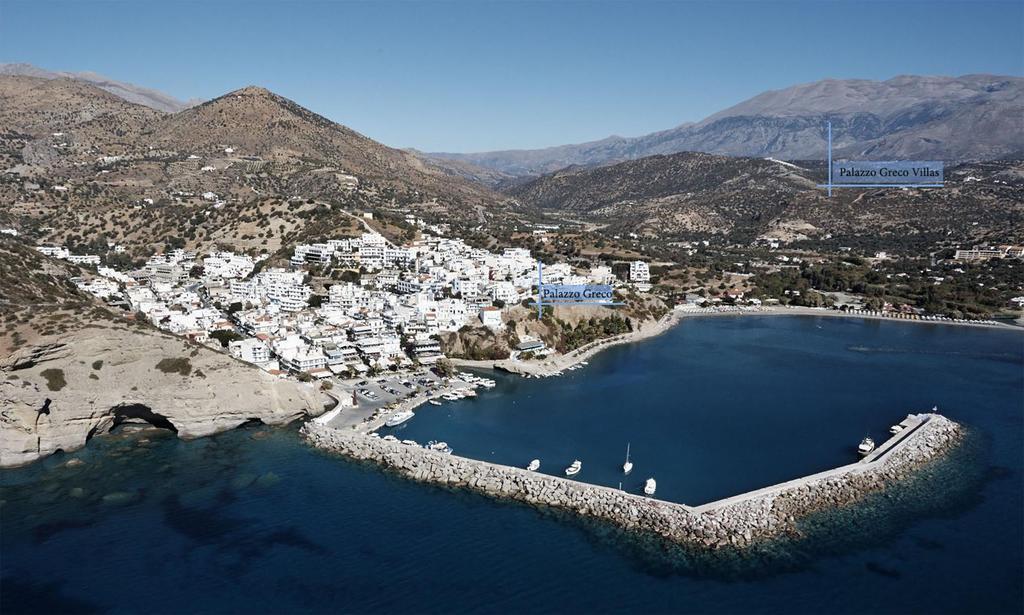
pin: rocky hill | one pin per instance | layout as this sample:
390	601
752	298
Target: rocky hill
974	117
129	92
247	169
61	382
690	196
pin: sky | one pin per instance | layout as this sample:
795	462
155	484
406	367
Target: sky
462	76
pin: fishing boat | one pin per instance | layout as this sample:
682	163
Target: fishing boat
866	446
628	466
398	418
409	442
574	469
389	438
650	486
534	465
895	429
434	402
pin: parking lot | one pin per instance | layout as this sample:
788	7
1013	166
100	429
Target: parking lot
373	393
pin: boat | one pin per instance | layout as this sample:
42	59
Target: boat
438	446
373	434
650	486
896	429
409	442
389	438
628	466
534	465
434	402
574	469
866	446
398	418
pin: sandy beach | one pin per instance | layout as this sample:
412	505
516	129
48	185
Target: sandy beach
554	364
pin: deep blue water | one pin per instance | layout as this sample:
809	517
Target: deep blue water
255	521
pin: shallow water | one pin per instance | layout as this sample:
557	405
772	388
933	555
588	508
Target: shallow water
255	521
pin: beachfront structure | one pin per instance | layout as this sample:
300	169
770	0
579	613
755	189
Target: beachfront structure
601	275
250	350
639	272
490	317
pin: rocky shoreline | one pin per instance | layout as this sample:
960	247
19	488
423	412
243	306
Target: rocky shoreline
57	394
739	521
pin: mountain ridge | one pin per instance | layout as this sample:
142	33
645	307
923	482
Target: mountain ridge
154	99
950	118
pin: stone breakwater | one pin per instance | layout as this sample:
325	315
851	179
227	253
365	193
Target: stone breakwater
737	521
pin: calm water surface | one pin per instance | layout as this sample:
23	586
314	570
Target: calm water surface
255	521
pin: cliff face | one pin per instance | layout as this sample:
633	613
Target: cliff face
59	391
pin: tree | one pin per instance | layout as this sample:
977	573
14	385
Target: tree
444	368
225	337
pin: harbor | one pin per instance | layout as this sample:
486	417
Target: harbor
738	521
258	494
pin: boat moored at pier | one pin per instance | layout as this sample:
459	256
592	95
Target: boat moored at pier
650	486
398	418
866	446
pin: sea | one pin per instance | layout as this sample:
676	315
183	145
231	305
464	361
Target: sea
256	521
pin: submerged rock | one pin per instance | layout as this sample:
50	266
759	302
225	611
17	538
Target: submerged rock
242	481
120	498
268	480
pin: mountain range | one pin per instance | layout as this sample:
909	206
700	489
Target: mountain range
255	170
132	93
691	196
973	117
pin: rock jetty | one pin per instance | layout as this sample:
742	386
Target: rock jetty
739	521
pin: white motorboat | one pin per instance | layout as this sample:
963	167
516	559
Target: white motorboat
628	466
534	465
896	429
434	402
574	469
398	418
650	486
409	442
866	446
389	438
438	446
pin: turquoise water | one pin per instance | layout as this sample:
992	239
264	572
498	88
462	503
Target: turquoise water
255	521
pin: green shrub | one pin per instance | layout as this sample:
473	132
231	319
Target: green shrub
180	365
54	379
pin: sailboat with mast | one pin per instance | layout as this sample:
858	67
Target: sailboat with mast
628	466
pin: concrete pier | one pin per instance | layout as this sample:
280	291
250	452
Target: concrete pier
737	521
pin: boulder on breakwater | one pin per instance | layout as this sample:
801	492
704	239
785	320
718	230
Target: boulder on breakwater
738	521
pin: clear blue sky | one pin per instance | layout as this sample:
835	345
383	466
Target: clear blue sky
471	76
